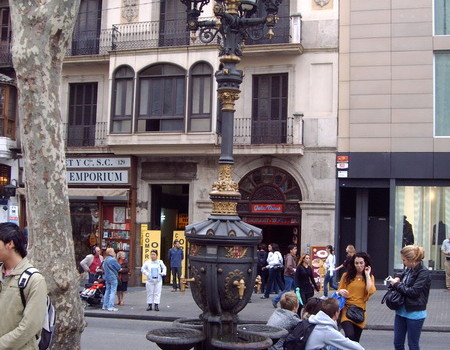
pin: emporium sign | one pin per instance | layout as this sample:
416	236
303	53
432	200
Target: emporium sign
271	220
103	174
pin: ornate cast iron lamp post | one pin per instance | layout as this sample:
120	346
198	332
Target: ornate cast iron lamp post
223	248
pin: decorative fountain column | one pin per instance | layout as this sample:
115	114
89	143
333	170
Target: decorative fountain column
222	255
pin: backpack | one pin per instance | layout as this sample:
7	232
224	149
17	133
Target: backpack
297	338
50	316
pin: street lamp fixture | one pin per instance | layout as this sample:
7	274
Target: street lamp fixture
223	249
8	191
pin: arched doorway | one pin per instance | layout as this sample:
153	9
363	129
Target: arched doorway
270	200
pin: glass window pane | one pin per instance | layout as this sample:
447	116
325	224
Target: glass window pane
200	124
129	98
143	98
207	95
195	95
422	214
180	97
120	91
171	125
442	88
442	17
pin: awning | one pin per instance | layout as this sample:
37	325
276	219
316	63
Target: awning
89	192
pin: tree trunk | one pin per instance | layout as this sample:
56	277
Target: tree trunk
41	33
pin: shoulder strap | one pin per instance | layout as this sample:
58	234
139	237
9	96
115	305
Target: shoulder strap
23	281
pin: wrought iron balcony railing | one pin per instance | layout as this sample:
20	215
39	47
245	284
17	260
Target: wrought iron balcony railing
85	135
154	34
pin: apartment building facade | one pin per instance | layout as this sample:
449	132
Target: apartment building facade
142	122
393	144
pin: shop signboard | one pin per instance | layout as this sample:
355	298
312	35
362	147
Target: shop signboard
318	256
150	240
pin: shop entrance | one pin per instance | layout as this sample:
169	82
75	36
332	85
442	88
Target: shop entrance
270	200
364	222
169	212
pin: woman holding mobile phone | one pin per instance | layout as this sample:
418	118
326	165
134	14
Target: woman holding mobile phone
357	285
414	284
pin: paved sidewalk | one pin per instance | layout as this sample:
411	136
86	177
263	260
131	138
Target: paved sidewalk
176	305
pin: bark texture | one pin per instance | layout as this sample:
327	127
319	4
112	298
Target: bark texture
41	32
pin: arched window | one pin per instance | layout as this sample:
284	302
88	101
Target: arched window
162	96
122	109
200	97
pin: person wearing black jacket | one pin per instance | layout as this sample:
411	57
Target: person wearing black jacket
304	280
414	284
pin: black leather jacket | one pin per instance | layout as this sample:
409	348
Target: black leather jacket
415	286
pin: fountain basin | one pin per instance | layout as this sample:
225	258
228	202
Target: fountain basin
175	338
241	341
274	333
193	323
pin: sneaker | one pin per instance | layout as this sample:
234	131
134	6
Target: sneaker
324	297
275	304
113	309
174	290
264	297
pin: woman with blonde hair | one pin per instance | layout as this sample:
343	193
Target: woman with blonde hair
123	276
350	250
304	280
414	284
111	275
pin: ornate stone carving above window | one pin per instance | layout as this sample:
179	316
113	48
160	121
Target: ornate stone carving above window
323	3
130	10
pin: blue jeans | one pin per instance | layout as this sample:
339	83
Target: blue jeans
288	283
329	280
110	294
403	325
176	277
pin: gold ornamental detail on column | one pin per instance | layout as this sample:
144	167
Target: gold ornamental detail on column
228	97
225	186
224	208
232	6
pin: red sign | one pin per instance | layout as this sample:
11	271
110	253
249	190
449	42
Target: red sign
342	158
267	208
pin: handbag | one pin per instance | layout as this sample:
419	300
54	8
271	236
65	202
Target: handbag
393	299
356	314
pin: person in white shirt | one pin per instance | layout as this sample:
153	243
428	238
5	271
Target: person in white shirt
446	251
330	265
155	270
326	333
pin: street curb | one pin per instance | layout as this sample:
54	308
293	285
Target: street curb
108	314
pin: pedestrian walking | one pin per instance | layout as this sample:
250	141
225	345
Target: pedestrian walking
20	326
275	266
414	284
330	265
123	276
304	280
290	265
155	270
111	275
350	250
357	286
261	269
446	251
175	259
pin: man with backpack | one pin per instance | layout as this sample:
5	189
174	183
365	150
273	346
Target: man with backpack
20	326
325	332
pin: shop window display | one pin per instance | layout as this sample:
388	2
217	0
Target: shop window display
422	218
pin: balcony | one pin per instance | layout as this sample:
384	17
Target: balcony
269	137
82	136
155	34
